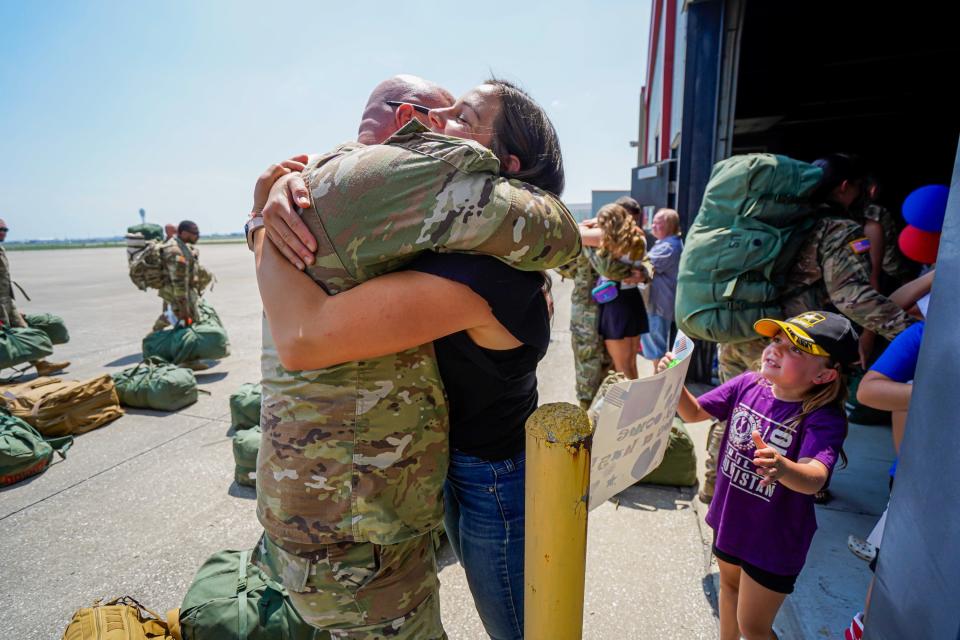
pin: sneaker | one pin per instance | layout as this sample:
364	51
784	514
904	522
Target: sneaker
855	630
45	368
861	548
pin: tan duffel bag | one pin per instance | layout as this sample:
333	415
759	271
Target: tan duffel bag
121	619
56	407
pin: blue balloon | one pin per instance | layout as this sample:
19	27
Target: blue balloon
925	207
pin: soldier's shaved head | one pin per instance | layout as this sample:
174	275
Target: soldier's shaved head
380	120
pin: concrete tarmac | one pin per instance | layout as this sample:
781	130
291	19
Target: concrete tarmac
140	503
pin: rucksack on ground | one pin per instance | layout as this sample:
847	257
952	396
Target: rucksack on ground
146	263
156	384
23	344
23	451
58	407
754	216
231	599
245	406
246	446
679	465
121	619
52	325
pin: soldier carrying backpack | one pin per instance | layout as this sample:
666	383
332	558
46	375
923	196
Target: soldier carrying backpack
173	268
773	237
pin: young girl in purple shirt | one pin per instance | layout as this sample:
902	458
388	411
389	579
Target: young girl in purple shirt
786	429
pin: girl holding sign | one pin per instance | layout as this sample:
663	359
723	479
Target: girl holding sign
786	430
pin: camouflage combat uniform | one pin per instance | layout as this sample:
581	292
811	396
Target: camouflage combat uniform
185	281
9	314
895	268
831	270
353	458
590	357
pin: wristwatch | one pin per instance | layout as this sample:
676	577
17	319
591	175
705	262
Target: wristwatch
254	223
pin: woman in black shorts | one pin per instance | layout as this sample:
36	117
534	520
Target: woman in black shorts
623	319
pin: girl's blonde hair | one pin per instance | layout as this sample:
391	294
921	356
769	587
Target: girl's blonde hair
829	394
622	236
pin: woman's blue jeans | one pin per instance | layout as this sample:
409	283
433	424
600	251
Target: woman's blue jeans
484	522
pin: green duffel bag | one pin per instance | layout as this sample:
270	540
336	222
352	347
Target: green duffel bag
246	446
186	344
231	599
23	451
156	384
754	217
679	466
19	345
245	406
209	315
50	324
149	231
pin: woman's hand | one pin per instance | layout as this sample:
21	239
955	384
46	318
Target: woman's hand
283	224
768	461
273	173
664	363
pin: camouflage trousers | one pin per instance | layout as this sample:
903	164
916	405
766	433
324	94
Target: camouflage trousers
732	360
590	357
361	590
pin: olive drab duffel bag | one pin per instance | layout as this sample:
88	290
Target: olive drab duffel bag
58	407
203	340
679	465
245	406
752	221
52	325
246	446
120	619
156	384
231	599
23	451
23	344
149	230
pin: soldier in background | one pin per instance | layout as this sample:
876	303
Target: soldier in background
831	271
185	277
10	316
170	230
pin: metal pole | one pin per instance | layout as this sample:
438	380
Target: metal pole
559	438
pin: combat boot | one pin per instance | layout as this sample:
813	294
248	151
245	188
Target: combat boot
45	368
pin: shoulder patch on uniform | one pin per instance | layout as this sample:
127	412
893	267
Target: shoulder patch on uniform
860	245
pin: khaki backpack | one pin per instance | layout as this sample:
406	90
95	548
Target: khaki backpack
121	619
146	263
56	407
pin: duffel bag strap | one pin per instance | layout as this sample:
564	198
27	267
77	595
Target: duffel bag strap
61	445
242	595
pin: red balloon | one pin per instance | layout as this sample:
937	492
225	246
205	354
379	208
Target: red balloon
919	245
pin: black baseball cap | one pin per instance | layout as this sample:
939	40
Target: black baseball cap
819	333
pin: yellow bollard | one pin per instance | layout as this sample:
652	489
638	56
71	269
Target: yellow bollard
559	438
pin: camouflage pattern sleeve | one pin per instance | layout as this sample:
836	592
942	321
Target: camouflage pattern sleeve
203	277
846	275
378	206
568	270
9	314
179	269
606	265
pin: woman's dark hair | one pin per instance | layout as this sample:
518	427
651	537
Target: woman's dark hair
523	129
837	167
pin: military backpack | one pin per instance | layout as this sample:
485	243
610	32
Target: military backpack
120	619
755	214
58	407
146	265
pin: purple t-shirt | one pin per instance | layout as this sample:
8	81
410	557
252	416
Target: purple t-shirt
770	527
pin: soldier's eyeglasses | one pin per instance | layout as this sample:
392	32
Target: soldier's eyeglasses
416	107
4	229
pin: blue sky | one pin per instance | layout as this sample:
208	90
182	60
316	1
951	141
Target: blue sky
176	107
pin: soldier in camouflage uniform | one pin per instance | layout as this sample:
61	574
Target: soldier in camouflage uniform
831	270
185	278
10	316
354	457
590	357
